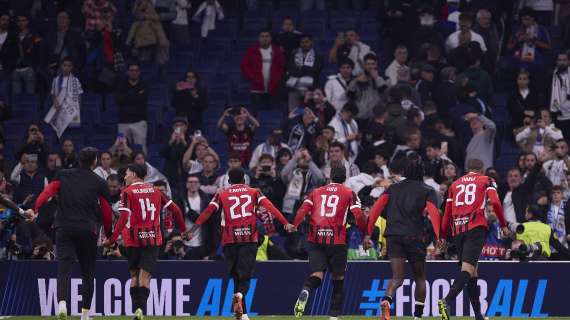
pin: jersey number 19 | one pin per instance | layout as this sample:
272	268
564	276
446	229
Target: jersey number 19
329	202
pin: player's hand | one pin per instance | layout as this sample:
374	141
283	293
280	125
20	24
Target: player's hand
290	228
366	243
108	243
30	215
506	232
441	243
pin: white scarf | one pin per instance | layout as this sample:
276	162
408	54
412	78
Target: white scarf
302	59
209	19
558	100
67	97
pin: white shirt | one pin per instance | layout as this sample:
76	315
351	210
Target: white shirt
194	204
195	167
555	171
335	91
452	41
342	130
266	56
509	211
392	72
103	173
357	53
182	7
3	37
524	93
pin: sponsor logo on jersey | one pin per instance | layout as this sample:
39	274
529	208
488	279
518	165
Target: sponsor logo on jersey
245	231
461	221
147	234
325	232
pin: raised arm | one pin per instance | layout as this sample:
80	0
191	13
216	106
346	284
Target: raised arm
48	192
376	210
433	214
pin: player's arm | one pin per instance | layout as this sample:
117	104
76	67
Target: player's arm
123	219
493	197
306	207
212	207
359	216
264	202
375	212
48	192
433	214
107	216
446	217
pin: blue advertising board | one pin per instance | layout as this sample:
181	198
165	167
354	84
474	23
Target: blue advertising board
183	288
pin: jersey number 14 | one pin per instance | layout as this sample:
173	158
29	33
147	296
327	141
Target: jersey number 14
147	206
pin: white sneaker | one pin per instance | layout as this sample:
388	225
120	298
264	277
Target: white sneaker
62	311
416	318
85	314
333	318
244	317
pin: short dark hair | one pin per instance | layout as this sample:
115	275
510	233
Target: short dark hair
160	183
466	17
67	59
236	176
434	144
264	30
397	166
370	56
87	157
306	35
338	174
233	155
133	63
346	61
414	168
139	171
266	156
557	188
475	165
114	177
351	107
336	144
288	18
330	128
350	29
563	52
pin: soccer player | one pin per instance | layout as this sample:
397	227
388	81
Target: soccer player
82	204
239	204
140	206
407	203
465	216
328	208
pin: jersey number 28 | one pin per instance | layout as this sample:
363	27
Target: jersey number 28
469	194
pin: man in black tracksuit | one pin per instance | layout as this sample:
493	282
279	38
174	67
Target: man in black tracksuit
82	198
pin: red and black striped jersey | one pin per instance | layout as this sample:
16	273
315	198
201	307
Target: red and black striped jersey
328	208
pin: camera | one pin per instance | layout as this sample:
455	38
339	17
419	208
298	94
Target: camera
178	244
13	249
527	251
265	168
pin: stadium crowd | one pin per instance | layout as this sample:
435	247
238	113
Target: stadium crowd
365	86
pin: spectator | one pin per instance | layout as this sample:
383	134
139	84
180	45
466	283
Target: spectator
539	135
529	41
152	174
425	84
98	14
68	155
556	163
35	144
348	46
482	144
234	162
412	137
174	248
523	103
557	215
496	246
53	165
464	35
300	175
193	158
208	176
105	169
446	93
367	183
399	62
427	34
263	65
114	186
322	143
174	150
65	43
121	152
488	30
301	129
399	23
22	56
271	146
318	103
132	103
283	157
147	36
303	71
346	130
337	158
43	249
559	102
288	38
194	201
190	100
240	132
66	94
267	180
479	79
337	85
30	181
4	33
436	160
366	90
179	30
166	10
210	10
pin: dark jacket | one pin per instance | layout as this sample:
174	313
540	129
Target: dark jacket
210	230
294	70
186	105
173	154
289	41
29	185
517	105
132	101
31	54
445	97
73	48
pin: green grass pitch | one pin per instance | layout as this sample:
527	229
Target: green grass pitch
271	318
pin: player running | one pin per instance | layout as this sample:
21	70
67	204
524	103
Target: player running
465	215
139	223
328	208
239	204
407	203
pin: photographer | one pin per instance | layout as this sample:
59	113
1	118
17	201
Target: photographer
323	110
43	249
121	152
240	132
539	134
267	181
174	248
367	89
534	239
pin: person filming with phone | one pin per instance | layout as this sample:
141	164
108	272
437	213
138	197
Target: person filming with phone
240	131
